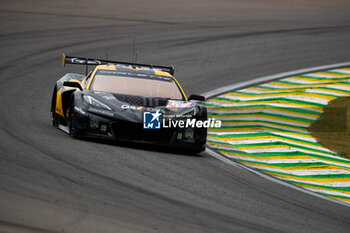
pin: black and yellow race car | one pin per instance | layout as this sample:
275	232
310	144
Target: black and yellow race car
128	102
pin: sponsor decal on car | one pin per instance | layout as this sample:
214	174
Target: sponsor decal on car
173	104
101	112
141	108
108	97
125	106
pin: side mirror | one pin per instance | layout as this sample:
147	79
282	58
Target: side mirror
196	97
73	84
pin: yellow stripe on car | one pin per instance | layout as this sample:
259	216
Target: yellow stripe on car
59	109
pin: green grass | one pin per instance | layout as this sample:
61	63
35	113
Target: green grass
332	129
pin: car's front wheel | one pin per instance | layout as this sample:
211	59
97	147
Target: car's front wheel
55	117
72	130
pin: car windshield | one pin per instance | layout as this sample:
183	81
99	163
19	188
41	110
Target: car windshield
137	86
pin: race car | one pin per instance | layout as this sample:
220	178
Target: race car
124	101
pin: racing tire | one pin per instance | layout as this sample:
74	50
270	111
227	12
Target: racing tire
55	117
72	130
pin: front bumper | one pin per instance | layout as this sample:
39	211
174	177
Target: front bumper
94	126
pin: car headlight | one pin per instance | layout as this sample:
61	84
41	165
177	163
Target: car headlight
185	135
95	102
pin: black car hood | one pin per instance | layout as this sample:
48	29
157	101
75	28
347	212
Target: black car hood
131	107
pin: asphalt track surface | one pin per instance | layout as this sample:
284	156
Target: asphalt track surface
52	183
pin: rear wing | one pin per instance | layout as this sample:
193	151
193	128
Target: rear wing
95	62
